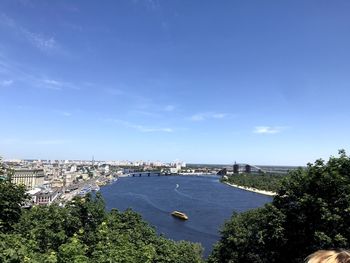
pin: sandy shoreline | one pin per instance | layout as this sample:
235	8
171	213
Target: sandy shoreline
252	189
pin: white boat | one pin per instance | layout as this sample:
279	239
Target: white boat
95	188
180	215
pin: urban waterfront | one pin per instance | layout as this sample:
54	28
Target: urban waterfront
206	201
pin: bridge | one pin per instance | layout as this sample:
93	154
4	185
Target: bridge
242	168
140	174
158	173
249	168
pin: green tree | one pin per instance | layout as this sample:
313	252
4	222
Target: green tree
73	251
49	226
310	212
12	197
14	248
2	168
125	237
91	212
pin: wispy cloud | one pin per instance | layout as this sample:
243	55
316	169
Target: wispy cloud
64	113
11	141
114	91
24	74
52	82
43	43
154	111
149	129
6	83
169	108
151	4
57	85
139	127
268	129
146	113
50	142
207	115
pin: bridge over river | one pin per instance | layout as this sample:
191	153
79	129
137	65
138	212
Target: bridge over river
159	173
250	168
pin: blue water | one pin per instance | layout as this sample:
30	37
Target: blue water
206	201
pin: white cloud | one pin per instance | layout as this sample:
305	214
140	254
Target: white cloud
64	113
9	141
7	21
12	141
41	42
154	112
49	142
44	43
219	115
6	83
268	129
141	128
151	4
169	108
114	91
57	85
149	129
52	82
20	73
67	114
154	4
145	113
207	115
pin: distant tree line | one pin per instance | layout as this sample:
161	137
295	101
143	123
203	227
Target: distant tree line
267	182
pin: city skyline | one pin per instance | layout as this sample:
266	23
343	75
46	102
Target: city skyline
257	82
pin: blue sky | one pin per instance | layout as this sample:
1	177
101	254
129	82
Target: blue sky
263	82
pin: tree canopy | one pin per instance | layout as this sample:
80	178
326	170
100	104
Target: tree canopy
11	198
83	231
310	212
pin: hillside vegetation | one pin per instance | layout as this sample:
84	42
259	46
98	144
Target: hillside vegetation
267	182
310	212
82	231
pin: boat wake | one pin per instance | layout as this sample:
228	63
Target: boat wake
148	201
183	194
196	199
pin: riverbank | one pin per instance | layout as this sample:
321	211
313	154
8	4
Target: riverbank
263	192
95	183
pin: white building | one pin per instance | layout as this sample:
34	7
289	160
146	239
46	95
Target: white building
31	178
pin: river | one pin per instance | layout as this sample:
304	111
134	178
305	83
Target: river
206	201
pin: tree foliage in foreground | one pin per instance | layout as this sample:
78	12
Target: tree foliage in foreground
310	212
83	231
11	198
